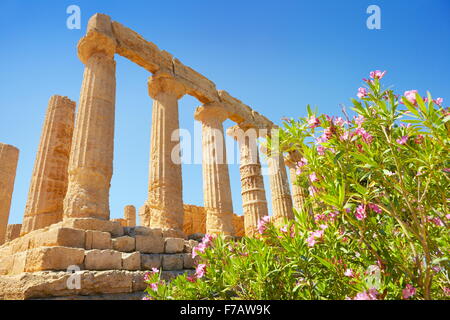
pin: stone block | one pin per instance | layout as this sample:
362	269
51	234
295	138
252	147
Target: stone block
173	233
149	261
89	224
131	261
142	231
52	258
103	260
188	261
174	245
149	244
189	245
172	261
124	244
98	240
117	229
57	236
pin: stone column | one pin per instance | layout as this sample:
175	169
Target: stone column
252	184
12	232
9	156
165	197
49	179
91	157
279	188
130	216
216	181
298	192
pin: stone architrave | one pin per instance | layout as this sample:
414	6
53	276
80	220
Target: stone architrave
49	179
91	157
165	196
9	156
216	181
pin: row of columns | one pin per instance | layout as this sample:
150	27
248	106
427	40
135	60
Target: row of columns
77	186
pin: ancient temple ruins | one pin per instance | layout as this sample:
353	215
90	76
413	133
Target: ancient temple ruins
66	220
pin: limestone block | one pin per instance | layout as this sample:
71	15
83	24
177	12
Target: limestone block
131	261
142	231
12	232
149	244
149	261
19	263
98	240
117	229
124	244
56	236
130	215
103	260
174	245
172	261
52	258
89	224
188	261
173	233
189	245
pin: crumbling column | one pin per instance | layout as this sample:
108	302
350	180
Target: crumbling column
298	193
9	155
216	181
279	188
49	179
91	157
130	216
253	193
165	197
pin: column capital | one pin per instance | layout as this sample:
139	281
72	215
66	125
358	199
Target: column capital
211	112
237	130
98	39
165	82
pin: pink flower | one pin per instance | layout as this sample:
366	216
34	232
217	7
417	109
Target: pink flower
313	177
328	133
447	291
359	120
371	294
408	292
284	229
200	248
154	286
349	273
313	122
362	92
314	236
200	270
339	122
262	224
375	208
411	96
191	278
419	139
146	298
155	270
300	164
207	239
147	276
345	136
377	74
402	140
437	221
312	190
439	101
321	150
361	212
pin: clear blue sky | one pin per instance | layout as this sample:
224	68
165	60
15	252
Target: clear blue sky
276	56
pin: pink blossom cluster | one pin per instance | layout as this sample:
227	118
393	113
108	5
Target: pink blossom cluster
326	217
300	164
313	122
370	294
263	224
408	292
361	212
315	236
205	243
374	208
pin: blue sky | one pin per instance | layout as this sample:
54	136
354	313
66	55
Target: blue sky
276	56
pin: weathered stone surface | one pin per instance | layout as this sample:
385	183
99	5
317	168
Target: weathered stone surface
194	219
252	184
12	232
57	236
188	261
49	178
174	245
189	245
103	260
165	200
52	258
172	261
131	261
91	157
216	180
149	261
130	216
149	244
124	244
89	224
98	240
9	156
282	207
142	231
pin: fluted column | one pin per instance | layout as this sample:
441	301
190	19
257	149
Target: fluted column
49	179
9	155
91	157
165	198
252	184
279	188
298	192
130	215
216	181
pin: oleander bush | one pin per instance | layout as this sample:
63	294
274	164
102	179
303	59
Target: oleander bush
375	221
